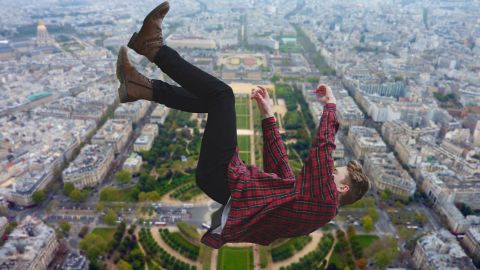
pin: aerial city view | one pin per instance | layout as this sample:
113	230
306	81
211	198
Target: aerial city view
117	153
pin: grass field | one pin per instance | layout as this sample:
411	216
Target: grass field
244	145
105	233
234	258
243	113
364	240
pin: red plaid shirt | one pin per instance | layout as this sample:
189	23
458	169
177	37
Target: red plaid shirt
271	204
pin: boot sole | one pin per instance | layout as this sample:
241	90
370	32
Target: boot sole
122	90
133	39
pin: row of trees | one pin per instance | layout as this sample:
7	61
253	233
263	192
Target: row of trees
158	254
343	250
314	259
290	247
177	242
189	231
75	194
312	53
294	119
186	192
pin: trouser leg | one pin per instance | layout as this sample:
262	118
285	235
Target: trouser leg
190	77
178	98
220	135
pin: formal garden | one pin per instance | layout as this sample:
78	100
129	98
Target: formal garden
111	245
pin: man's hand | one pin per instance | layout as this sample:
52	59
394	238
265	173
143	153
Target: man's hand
325	94
263	101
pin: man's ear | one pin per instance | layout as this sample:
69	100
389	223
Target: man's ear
343	188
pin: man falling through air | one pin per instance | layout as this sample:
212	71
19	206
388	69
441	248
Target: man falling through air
257	206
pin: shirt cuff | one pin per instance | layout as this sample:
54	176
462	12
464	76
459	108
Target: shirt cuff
267	122
330	106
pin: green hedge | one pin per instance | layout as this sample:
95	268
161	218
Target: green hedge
159	255
180	244
288	249
189	231
164	186
186	192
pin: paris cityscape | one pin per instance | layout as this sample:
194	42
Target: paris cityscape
88	182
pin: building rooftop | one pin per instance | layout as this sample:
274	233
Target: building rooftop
25	242
443	251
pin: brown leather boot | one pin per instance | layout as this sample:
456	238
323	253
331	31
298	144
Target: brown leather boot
150	39
133	85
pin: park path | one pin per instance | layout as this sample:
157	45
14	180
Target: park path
156	235
256	257
331	250
311	246
252	135
213	262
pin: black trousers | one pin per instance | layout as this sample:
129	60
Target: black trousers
202	93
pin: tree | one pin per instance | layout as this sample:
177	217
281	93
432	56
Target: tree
404	233
149	196
78	195
64	226
398	205
351	232
123	177
68	188
110	217
93	246
420	218
373	213
83	231
383	196
109	194
99	206
362	263
367	223
123	265
382	251
38	196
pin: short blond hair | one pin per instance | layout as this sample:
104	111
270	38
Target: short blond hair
358	182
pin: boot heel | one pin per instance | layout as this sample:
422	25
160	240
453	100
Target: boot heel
131	43
122	93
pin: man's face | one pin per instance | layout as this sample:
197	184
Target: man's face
339	176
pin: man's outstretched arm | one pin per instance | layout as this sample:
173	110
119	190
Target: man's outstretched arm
275	157
323	143
325	135
318	168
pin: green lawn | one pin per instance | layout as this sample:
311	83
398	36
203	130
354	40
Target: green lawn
205	256
241	105
243	113
243	122
233	258
105	233
364	240
244	145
